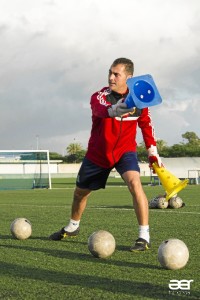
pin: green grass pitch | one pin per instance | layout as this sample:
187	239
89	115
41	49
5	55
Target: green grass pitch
38	268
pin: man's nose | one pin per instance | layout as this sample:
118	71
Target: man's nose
111	76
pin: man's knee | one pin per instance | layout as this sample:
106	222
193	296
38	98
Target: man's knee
132	179
81	193
134	185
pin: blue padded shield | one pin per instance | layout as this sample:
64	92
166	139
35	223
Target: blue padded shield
142	92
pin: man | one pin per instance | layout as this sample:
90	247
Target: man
112	144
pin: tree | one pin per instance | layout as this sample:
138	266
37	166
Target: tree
191	148
161	145
142	152
55	156
73	148
192	138
177	150
76	153
163	150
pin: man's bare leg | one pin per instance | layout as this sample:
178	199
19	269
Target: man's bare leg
78	206
79	203
140	204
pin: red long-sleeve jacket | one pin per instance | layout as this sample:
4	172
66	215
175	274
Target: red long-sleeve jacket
112	137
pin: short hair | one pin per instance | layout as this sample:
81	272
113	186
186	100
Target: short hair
129	66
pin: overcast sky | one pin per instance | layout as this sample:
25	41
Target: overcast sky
55	53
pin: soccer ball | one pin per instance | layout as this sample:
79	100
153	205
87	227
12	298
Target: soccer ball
158	202
173	254
161	202
153	202
101	244
176	202
21	229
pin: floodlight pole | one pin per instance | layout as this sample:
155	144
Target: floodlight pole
37	142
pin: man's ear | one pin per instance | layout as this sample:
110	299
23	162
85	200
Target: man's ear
129	76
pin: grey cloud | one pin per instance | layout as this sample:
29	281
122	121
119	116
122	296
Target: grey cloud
50	65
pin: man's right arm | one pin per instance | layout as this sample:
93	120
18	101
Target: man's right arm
99	104
103	109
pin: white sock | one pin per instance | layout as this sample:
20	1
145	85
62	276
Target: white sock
144	232
72	226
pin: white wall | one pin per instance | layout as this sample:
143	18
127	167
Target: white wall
177	166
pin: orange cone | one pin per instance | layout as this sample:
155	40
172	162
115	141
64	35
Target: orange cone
171	183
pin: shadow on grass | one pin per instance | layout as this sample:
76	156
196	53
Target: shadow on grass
114	183
80	256
6	237
112	207
9	237
115	286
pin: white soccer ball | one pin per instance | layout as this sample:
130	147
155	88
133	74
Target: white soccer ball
101	244
161	202
176	202
173	254
21	228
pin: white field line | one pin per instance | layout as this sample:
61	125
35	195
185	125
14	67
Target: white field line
72	188
157	210
106	207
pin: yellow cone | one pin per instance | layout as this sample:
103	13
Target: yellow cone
171	183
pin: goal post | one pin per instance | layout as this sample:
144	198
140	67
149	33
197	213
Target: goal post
24	169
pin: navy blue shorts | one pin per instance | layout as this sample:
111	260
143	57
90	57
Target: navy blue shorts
93	177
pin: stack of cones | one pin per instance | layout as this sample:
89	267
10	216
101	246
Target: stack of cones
171	183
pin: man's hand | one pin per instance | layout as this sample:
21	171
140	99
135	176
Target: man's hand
119	109
154	157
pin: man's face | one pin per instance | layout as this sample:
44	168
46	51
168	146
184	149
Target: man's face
117	79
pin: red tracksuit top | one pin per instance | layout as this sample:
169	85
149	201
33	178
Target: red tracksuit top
112	137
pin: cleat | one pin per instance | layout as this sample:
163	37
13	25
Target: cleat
140	245
61	234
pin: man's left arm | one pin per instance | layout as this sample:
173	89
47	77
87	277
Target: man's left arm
148	133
